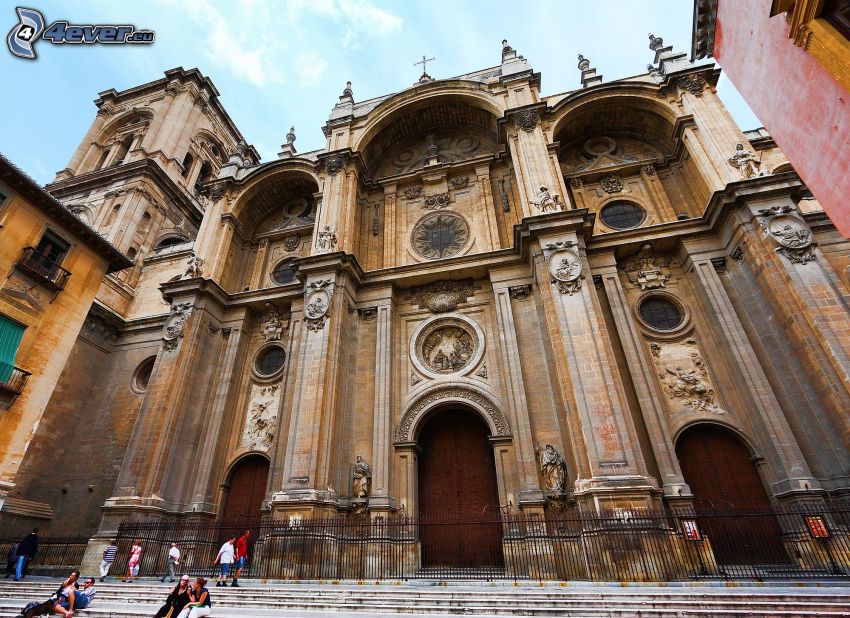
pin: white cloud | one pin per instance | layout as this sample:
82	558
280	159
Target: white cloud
310	67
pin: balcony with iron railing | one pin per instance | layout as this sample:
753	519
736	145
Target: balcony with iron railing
43	269
11	386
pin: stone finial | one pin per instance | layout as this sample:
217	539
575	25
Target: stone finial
288	149
348	92
588	73
507	51
655	42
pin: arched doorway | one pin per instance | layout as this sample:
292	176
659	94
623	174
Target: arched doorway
458	492
247	490
727	489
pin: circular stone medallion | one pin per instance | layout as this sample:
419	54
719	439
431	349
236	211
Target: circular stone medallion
789	232
440	235
447	345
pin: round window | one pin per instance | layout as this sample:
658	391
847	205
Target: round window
440	235
142	376
284	272
661	313
622	215
270	361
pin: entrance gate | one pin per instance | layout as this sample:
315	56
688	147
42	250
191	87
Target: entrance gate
458	493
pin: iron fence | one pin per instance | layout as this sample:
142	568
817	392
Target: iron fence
621	546
53	552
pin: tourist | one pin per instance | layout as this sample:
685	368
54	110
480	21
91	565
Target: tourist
200	603
176	600
173	562
225	559
11	559
133	563
65	601
27	549
76	599
241	557
108	558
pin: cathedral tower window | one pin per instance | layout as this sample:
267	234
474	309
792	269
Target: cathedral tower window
142	375
270	360
284	272
188	160
661	313
622	215
123	150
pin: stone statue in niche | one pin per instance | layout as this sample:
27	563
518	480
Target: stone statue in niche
362	478
448	349
193	268
326	241
745	162
262	418
552	467
545	202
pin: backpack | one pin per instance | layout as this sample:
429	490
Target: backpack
34	608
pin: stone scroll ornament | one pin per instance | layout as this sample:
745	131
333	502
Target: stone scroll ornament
788	230
175	324
565	268
317	303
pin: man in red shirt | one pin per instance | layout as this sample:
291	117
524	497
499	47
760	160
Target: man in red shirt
241	557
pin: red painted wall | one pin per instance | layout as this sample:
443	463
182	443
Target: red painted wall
805	110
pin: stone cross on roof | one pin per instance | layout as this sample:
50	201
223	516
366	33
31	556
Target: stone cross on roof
424	62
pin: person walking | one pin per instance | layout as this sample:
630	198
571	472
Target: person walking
133	563
27	549
173	562
11	560
225	559
108	558
241	557
200	603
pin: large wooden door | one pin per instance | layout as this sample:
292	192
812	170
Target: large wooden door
458	493
247	490
728	490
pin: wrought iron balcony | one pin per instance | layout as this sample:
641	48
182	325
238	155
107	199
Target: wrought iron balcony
48	272
12	386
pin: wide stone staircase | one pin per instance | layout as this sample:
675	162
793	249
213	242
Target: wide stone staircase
440	598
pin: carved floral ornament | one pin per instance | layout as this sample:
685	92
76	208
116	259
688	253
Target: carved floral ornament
175	324
790	232
565	267
405	432
611	183
449	345
435	202
317	303
442	296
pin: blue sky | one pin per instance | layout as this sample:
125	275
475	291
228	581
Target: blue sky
282	63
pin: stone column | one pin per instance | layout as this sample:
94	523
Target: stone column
339	203
381	498
259	263
390	225
646	386
789	470
657	192
515	398
487	207
209	447
611	469
531	160
88	139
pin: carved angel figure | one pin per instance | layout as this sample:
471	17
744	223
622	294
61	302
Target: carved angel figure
745	161
552	467
362	478
193	268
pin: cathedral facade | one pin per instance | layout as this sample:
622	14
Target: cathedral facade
476	298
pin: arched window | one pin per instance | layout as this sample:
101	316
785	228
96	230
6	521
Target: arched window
142	375
205	175
123	150
169	242
188	160
622	215
270	361
284	272
661	313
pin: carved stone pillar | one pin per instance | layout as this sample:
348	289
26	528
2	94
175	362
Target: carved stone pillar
517	405
259	264
611	467
339	204
487	206
789	470
382	422
657	193
86	144
646	387
214	237
531	160
390	225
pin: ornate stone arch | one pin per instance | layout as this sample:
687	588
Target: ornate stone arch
448	393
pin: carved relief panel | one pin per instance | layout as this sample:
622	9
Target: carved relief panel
261	418
685	379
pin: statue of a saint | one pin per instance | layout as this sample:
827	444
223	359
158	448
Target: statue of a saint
362	478
745	162
552	467
545	201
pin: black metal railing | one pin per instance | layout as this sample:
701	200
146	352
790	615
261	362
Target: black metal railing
623	546
46	270
55	552
14	385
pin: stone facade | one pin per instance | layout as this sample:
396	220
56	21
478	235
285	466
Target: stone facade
586	272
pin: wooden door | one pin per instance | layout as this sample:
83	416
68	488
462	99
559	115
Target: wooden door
247	491
458	493
728	490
